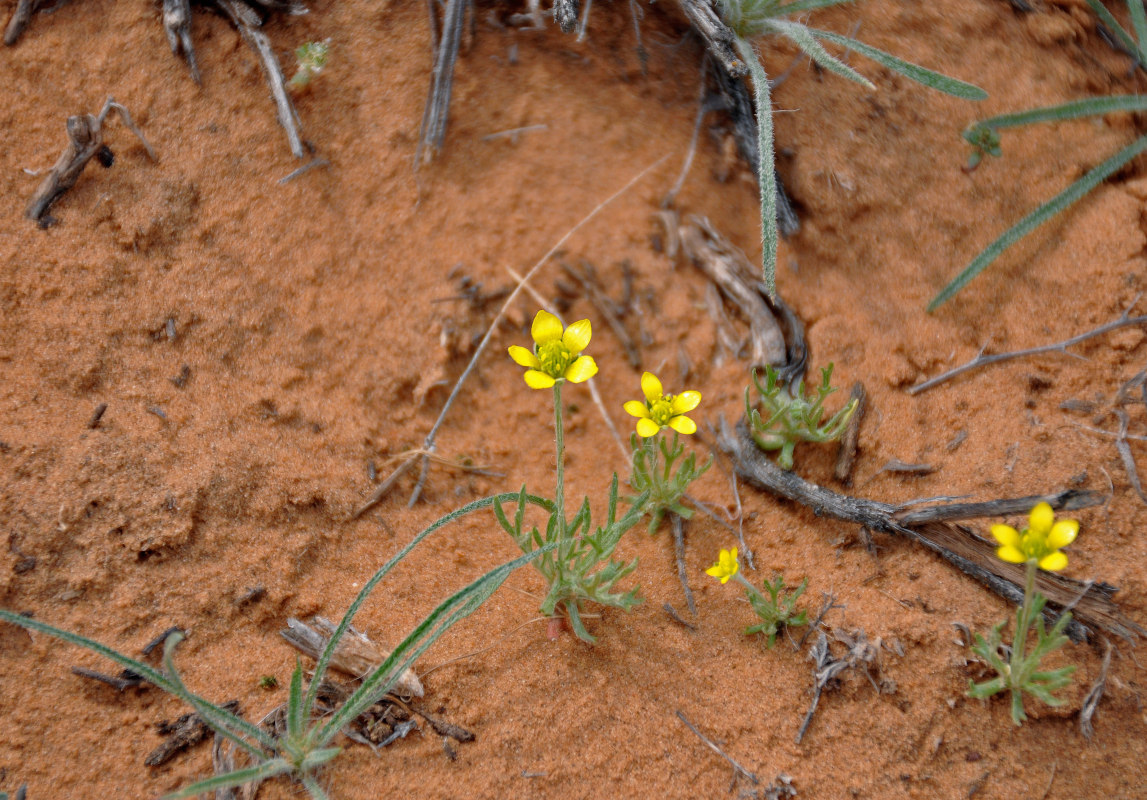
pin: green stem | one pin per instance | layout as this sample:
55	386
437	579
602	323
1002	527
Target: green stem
1019	645
560	444
741	579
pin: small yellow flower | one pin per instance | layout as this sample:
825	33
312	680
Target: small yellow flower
557	354
1040	541
726	566
661	410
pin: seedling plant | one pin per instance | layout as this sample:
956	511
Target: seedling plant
787	415
778	610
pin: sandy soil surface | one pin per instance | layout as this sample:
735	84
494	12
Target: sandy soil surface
315	338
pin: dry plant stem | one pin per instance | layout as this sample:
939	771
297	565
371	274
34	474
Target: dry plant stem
963	548
437	111
1068	500
177	26
718	38
258	41
604	306
85	140
429	444
1059	347
1126	456
19	21
671	195
846	454
737	768
678	525
1095	694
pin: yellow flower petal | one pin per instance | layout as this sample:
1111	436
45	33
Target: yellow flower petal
582	369
546	327
685	402
576	337
1041	519
683	424
1053	562
1062	533
1006	535
651	387
523	357
636	408
647	428
1011	554
536	379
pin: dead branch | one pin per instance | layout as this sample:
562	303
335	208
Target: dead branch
737	768
982	360
241	17
966	550
1095	694
846	453
716	34
85	142
437	110
177	26
19	21
355	655
1125	455
678	525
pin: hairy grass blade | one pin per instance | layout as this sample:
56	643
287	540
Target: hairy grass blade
1088	107
801	37
1041	215
766	169
268	769
933	80
1139	23
1113	25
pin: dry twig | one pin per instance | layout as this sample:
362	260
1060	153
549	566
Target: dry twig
737	768
356	655
982	360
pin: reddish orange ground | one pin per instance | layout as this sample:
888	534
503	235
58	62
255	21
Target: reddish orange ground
305	313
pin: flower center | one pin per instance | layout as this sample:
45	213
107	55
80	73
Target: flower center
554	357
662	411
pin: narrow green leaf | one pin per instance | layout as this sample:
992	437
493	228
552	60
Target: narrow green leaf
1113	25
1061	201
801	6
766	168
1076	109
801	37
295	703
312	786
325	659
933	80
222	721
418	640
261	772
1139	23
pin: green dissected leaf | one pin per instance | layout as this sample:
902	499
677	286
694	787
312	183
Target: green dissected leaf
1060	202
933	80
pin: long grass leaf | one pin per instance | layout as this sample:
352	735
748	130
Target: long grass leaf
295	704
172	686
766	166
1139	23
221	720
1076	109
268	769
425	634
1113	25
933	80
1041	215
801	37
344	624
800	6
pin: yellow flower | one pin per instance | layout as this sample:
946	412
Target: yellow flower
1040	541
557	354
726	566
661	410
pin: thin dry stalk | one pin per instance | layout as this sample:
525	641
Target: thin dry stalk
429	444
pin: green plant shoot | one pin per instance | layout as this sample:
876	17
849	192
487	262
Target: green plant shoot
788	416
778	610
